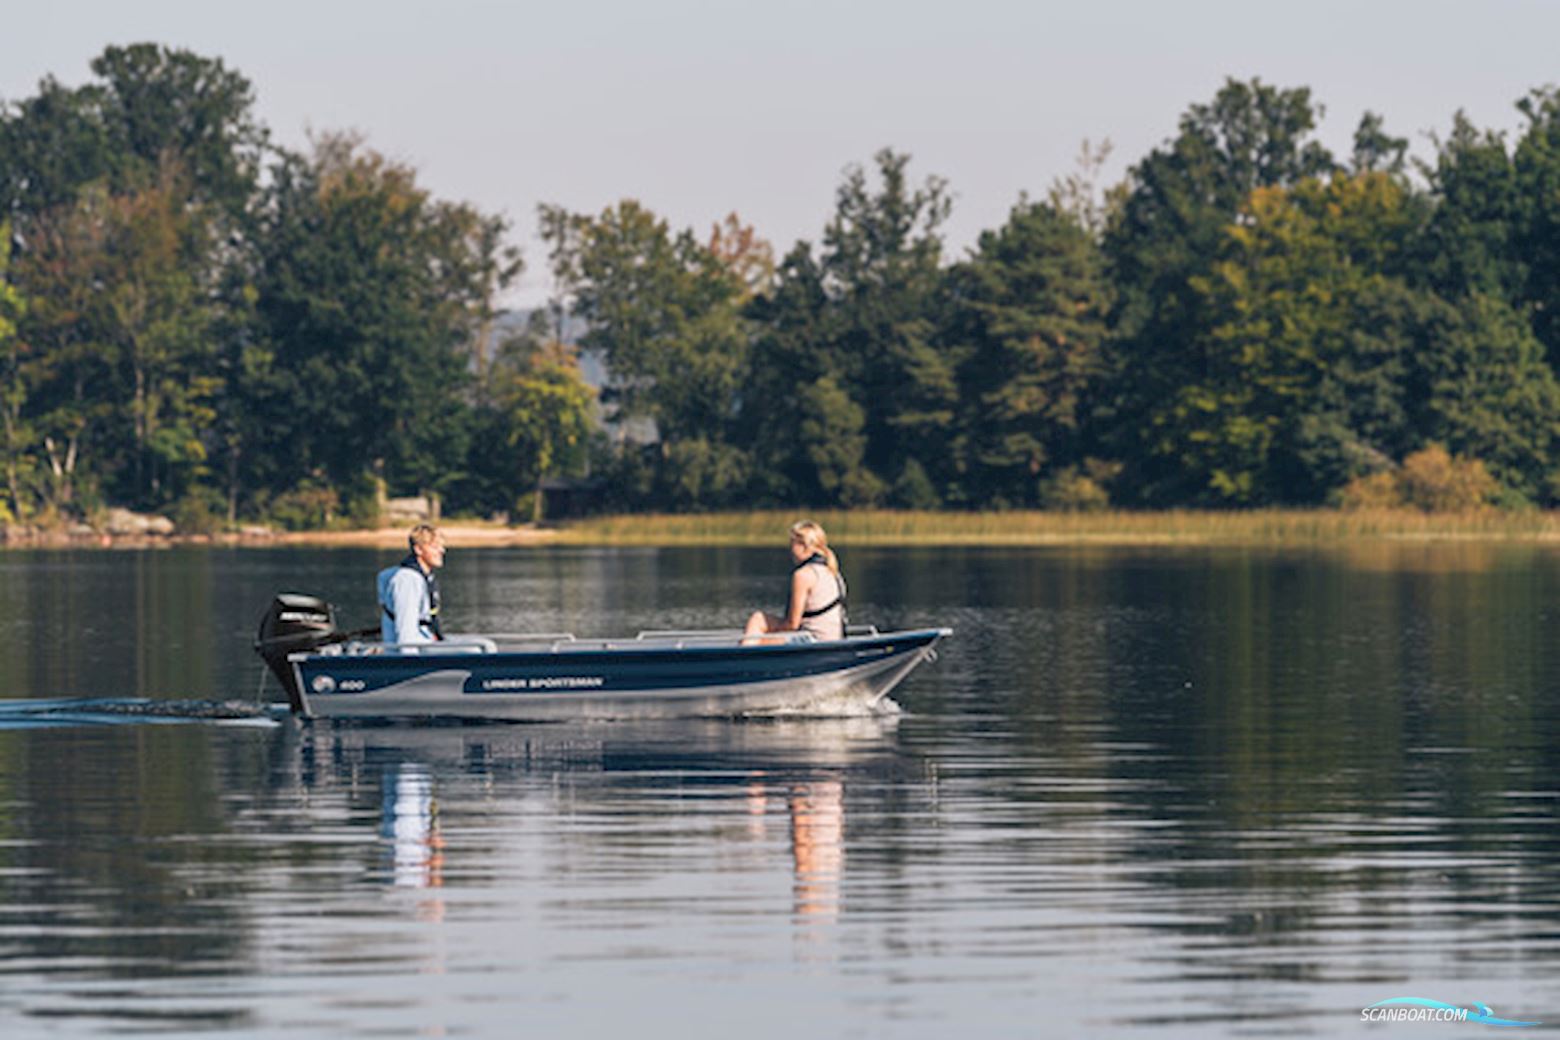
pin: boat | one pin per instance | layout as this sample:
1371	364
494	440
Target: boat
548	677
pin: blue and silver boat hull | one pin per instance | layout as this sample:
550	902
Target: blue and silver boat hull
632	679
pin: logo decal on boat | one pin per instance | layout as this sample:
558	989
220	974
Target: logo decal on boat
546	682
323	684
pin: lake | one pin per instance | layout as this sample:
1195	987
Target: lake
1167	793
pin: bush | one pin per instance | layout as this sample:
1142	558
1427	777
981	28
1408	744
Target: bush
701	474
306	507
361	501
1071	492
1376	491
861	489
913	489
202	510
1431	479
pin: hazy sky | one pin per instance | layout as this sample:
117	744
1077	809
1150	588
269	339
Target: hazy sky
699	108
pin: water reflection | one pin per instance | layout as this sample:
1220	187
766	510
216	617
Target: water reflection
817	811
1173	793
410	824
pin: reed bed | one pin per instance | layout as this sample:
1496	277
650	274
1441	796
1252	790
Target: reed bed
1181	527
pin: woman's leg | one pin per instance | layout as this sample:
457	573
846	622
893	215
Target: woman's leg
761	623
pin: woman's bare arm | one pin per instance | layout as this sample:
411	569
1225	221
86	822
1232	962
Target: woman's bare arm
802	582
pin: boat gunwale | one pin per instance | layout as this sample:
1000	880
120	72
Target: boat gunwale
629	649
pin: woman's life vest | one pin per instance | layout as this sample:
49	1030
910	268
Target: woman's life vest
823	615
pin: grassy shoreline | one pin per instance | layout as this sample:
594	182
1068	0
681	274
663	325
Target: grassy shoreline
892	528
896	528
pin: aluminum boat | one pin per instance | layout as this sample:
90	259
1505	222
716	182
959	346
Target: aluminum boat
556	676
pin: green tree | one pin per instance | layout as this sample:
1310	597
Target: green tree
1375	150
881	266
69	370
51	144
792	350
1305	349
122	375
1030	307
1536	167
128	196
665	312
1491	396
159	320
544	411
18	436
1323	363
1168	230
369	296
851	377
831	436
149	105
1469	244
160	102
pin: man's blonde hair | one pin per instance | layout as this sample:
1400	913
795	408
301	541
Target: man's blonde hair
423	534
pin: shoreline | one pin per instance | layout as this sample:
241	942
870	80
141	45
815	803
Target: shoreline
458	535
892	529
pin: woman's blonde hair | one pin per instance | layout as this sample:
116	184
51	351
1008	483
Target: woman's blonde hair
813	537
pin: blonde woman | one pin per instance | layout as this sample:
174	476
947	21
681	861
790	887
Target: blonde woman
817	601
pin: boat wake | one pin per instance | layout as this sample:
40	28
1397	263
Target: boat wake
99	711
844	706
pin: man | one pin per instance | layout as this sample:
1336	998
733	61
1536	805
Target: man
409	591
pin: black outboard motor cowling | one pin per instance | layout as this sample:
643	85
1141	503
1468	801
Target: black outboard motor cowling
295	623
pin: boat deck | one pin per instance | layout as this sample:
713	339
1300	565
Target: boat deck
568	642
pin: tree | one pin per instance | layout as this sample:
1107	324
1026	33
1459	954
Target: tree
1469	244
150	105
1169	229
159	318
831	437
69	370
123	368
1305	347
160	102
805	442
1491	396
17	434
369	295
1030	305
1375	150
544	412
881	268
51	145
738	247
1536	168
665	312
128	195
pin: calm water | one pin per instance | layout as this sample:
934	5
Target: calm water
1168	793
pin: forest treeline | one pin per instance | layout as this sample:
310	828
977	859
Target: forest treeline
196	319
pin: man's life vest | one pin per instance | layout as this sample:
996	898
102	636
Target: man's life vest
431	622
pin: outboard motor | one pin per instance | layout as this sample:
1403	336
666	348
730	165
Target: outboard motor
295	623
